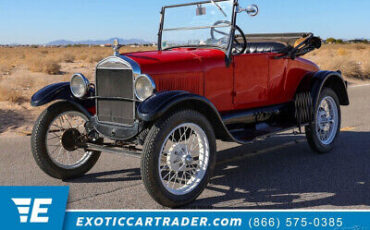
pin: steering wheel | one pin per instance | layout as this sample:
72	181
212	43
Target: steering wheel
238	47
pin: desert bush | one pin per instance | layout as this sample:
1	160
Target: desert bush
10	94
5	67
366	70
44	52
352	69
69	58
331	40
45	66
341	51
95	58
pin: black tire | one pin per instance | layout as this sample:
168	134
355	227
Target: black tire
152	149
39	149
312	139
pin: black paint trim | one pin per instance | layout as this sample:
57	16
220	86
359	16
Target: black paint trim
316	81
61	91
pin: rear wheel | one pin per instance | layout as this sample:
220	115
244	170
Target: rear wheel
322	133
179	158
55	142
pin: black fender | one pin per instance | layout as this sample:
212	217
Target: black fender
315	82
61	92
163	103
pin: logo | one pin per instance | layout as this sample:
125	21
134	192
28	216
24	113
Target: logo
33	207
24	205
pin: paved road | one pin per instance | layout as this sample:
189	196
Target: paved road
280	173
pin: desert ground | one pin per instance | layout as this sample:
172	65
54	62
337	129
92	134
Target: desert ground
24	70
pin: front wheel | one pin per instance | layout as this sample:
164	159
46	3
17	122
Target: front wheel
55	142
322	133
179	158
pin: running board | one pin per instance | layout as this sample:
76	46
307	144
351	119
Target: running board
114	150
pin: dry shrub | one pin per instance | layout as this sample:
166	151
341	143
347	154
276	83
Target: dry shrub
351	59
341	52
366	70
69	58
7	93
4	68
352	69
45	66
82	57
94	58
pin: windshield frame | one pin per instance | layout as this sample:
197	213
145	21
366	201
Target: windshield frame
232	31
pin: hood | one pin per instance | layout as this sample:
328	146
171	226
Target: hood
176	60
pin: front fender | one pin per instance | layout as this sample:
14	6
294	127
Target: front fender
163	103
60	91
57	91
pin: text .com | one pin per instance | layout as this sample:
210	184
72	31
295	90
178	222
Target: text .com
157	222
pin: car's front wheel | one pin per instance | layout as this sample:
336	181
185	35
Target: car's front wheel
322	133
54	142
179	158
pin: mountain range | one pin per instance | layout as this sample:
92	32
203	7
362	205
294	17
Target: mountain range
97	42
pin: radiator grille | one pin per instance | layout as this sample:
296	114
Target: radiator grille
112	87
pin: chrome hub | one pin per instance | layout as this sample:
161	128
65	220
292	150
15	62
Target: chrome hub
178	157
327	120
184	157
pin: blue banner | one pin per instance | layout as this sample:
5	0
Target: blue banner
31	208
45	208
222	220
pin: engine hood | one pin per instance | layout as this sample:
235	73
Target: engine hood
176	60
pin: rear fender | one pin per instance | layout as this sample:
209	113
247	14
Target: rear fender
315	82
61	92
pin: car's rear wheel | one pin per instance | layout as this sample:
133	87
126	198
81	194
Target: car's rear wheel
322	133
54	142
179	158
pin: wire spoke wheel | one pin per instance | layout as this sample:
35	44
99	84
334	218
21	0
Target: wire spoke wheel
62	138
327	120
184	157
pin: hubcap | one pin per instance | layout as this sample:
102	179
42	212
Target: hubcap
327	120
62	140
183	160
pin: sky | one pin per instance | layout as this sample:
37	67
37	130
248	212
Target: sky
42	21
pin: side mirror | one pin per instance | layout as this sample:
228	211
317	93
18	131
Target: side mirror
251	10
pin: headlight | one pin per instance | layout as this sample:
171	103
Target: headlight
144	87
79	85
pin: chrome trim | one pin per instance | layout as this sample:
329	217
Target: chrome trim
115	150
134	65
127	62
150	80
86	83
114	98
196	28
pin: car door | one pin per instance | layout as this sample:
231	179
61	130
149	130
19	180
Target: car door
251	80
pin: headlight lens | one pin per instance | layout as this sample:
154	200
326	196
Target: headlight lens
79	85
144	87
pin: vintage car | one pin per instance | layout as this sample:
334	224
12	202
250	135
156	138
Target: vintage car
207	81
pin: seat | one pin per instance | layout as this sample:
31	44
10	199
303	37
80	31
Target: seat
265	47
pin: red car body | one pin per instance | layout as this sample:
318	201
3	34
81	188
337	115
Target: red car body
250	81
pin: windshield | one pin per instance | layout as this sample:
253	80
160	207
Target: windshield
198	25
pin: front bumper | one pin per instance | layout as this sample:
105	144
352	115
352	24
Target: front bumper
113	131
